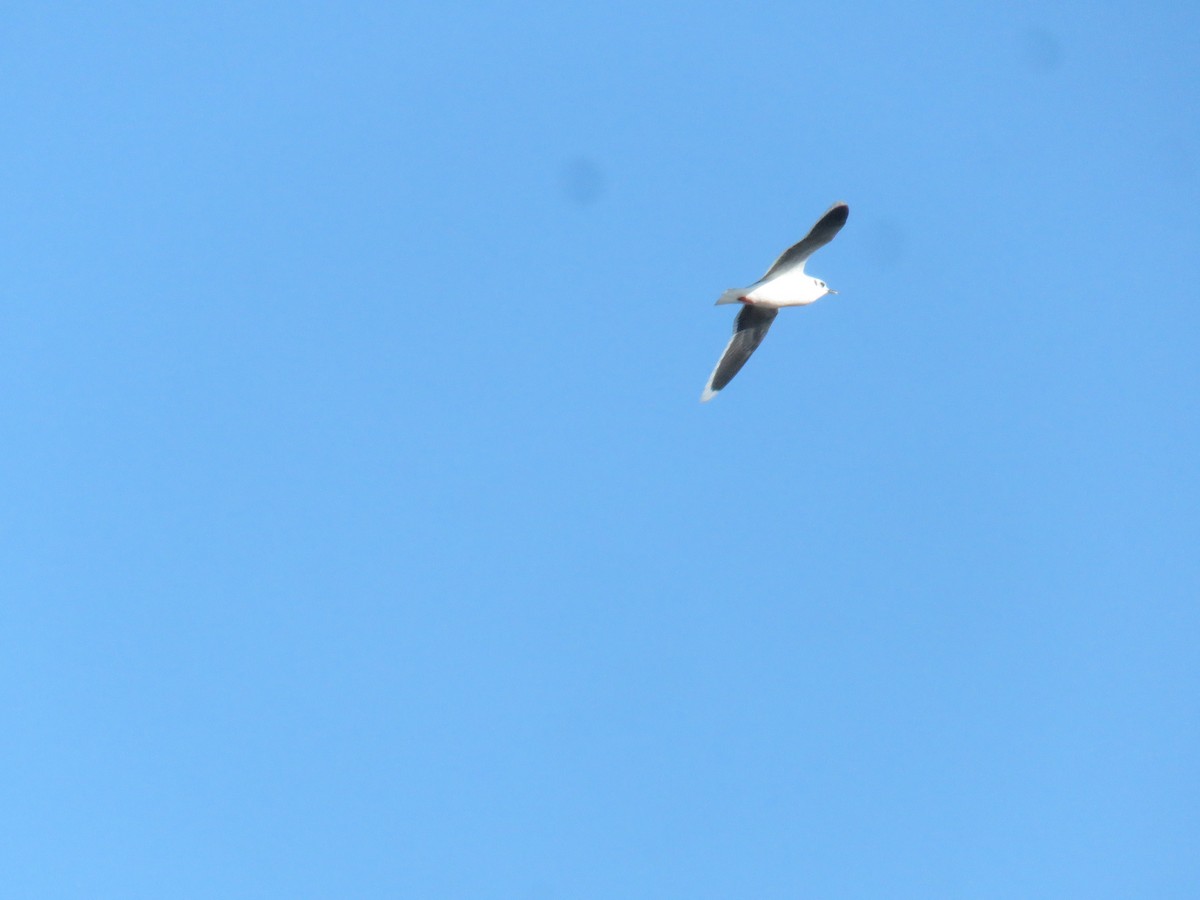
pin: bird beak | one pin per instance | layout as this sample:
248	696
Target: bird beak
831	290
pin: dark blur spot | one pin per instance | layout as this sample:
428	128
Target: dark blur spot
583	181
1040	49
886	244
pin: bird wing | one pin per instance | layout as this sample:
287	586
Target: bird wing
749	329
821	234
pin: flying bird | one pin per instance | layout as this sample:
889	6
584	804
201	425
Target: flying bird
785	284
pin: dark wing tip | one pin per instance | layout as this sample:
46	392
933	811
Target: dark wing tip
826	228
836	214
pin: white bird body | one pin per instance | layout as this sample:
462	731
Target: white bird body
788	288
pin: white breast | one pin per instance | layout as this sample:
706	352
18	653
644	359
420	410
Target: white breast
786	289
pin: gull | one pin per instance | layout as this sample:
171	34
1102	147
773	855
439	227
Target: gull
785	284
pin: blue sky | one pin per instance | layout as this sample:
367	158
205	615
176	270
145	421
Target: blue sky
364	534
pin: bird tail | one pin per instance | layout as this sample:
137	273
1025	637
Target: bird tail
733	295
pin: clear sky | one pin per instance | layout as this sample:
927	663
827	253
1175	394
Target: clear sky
364	535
